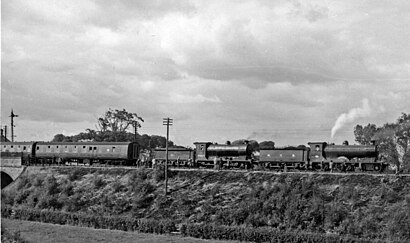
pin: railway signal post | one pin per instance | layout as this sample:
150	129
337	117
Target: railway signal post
12	125
166	122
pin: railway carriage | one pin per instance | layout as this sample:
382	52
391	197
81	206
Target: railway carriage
87	152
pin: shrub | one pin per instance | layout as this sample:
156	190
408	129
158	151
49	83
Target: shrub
82	219
76	173
51	185
98	182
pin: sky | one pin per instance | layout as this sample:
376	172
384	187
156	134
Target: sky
291	72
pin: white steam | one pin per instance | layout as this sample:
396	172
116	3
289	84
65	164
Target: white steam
352	115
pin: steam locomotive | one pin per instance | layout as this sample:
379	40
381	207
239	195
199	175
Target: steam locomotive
317	156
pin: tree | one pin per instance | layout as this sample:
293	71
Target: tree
402	137
364	135
60	138
116	122
254	144
267	145
386	144
392	139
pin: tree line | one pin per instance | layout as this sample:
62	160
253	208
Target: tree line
392	139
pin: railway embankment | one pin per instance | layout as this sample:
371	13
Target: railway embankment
217	204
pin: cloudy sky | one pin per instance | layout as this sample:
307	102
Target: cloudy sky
287	71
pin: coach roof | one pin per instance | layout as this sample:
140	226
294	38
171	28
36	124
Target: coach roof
84	143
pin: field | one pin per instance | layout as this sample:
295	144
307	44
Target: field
35	232
218	204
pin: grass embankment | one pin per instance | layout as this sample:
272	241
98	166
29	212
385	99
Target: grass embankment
226	204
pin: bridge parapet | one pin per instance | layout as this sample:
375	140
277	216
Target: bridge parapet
11	168
10	162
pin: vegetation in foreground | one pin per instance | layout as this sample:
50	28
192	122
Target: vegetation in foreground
225	203
32	232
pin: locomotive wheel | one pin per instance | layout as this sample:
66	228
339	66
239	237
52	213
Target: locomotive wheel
376	167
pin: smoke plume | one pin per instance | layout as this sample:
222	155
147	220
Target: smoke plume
352	115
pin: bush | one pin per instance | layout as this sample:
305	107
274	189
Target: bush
98	182
263	234
76	174
87	220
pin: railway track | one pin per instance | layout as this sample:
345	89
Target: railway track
230	170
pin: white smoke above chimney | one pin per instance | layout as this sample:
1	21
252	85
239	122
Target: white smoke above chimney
352	115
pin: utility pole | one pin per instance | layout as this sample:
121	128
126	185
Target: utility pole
167	122
12	124
135	124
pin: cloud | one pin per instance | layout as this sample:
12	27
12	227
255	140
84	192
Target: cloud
198	98
287	68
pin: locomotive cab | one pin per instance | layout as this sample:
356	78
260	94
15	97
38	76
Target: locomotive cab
316	151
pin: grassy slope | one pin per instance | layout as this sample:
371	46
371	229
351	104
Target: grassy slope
359	205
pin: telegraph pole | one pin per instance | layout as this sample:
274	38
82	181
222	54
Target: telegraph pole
12	124
166	122
136	124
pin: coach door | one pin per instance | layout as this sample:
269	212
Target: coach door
94	151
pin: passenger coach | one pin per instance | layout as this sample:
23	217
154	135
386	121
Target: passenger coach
125	153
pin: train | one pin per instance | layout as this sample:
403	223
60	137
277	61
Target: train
317	156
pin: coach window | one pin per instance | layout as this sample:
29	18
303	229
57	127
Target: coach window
38	148
113	149
11	146
317	148
24	147
90	148
95	148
